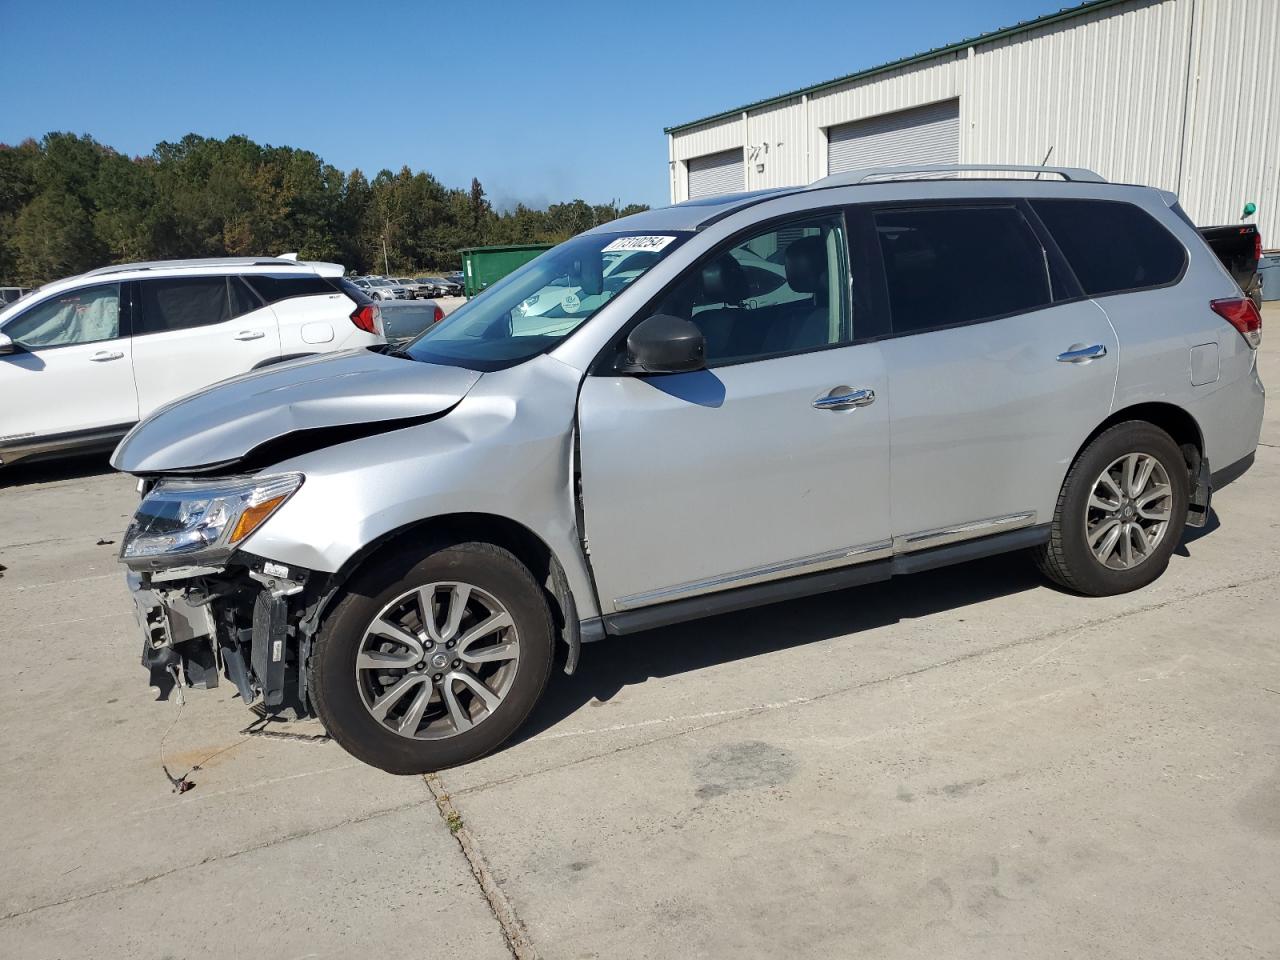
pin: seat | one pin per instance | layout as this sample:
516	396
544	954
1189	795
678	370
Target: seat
803	324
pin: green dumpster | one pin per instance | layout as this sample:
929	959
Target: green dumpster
484	266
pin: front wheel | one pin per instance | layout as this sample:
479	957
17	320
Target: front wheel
1120	514
428	663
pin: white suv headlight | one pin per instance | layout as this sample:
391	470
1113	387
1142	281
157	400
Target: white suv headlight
202	521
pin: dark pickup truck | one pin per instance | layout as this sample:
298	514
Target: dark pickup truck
1239	247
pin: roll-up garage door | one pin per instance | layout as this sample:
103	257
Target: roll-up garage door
921	135
715	173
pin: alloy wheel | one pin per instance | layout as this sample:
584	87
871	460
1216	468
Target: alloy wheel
1129	509
437	660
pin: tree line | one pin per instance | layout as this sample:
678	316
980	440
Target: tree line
69	204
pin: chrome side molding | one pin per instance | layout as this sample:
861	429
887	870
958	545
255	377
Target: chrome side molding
771	571
962	531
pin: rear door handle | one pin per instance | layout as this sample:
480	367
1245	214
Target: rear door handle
102	356
250	335
1079	354
845	398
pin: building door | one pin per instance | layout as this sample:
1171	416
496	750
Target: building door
716	173
929	134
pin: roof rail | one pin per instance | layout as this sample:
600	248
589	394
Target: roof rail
206	262
850	177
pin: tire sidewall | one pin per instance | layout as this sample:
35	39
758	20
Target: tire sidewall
333	674
1122	439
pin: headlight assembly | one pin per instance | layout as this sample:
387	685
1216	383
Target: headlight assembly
201	521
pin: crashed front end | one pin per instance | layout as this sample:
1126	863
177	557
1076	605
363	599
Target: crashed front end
208	608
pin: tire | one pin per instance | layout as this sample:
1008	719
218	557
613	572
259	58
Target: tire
346	691
1069	559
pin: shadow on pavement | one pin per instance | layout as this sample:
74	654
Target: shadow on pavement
612	664
76	467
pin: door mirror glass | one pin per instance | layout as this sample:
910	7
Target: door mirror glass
664	344
6	345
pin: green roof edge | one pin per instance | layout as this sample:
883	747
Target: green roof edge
1064	14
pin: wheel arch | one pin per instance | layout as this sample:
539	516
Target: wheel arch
1172	419
527	547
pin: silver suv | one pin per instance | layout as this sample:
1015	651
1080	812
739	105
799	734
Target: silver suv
791	391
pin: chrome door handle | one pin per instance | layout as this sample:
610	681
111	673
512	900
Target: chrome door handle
250	335
845	398
102	356
1082	354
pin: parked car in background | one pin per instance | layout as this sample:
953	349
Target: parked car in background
443	286
1239	247
12	294
83	359
404	319
416	290
380	288
956	368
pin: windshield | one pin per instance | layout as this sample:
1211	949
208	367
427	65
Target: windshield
379	283
537	306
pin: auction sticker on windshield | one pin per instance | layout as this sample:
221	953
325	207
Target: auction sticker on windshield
637	243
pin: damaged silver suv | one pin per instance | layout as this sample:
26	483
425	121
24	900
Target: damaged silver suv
720	404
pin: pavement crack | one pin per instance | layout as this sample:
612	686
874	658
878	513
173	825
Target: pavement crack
150	878
513	931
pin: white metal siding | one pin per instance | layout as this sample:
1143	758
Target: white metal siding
924	135
777	153
1178	94
1232	140
717	173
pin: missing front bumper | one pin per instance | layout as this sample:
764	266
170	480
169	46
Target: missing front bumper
237	623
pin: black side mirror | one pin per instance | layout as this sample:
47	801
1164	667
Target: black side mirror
664	344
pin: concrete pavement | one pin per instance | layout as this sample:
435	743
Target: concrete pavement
964	763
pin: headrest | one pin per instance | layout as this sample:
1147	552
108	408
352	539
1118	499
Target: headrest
724	281
807	265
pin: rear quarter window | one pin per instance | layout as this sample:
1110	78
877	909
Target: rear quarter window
273	289
1111	245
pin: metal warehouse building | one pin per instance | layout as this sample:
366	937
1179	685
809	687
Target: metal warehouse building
1179	94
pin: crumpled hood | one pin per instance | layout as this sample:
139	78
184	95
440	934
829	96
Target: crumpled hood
227	421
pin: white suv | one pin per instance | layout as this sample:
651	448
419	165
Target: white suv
83	359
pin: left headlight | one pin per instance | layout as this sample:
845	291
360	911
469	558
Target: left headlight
202	521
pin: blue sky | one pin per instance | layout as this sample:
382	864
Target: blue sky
541	101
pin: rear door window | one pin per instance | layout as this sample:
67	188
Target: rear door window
1112	246
180	303
951	265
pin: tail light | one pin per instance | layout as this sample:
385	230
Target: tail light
1241	313
1257	245
436	313
368	318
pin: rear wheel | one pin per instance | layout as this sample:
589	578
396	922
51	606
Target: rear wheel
1120	514
433	663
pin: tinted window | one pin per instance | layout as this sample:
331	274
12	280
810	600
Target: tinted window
86	315
242	298
950	265
275	288
1112	246
351	290
781	291
182	303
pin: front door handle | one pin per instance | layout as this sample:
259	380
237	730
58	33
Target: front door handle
845	398
102	356
1082	354
250	335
